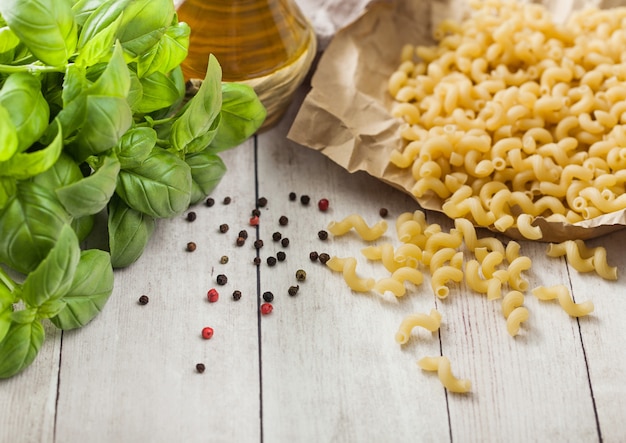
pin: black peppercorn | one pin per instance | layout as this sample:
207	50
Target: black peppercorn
210	202
324	257
236	295
223	228
313	255
200	367
243	234
284	242
271	261
383	212
256	213
258	244
292	196
268	296
281	256
283	220
143	300
191	246
261	202
305	199
240	241
323	235
227	200
300	275
276	236
191	216
293	290
257	261
221	279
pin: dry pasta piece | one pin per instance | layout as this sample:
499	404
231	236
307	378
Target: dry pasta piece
356	222
584	259
386	254
431	322
442	365
395	283
347	266
513	311
515	269
442	276
526	228
561	293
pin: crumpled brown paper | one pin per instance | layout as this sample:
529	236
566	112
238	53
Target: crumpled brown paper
346	115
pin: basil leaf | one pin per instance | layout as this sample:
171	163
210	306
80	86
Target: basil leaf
159	187
74	98
8	187
8	40
168	53
90	290
46	27
27	164
242	114
8	135
20	347
91	194
135	146
191	128
206	172
98	47
64	172
101	19
144	23
129	232
6	309
21	93
31	223
53	276
159	91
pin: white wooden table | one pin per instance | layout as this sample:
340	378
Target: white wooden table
324	365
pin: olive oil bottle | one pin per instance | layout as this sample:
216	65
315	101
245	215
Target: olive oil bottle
267	44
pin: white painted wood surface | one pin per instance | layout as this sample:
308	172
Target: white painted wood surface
324	366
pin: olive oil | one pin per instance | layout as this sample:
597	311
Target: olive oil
267	44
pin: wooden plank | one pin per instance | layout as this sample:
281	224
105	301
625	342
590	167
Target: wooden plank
130	375
332	370
602	336
28	399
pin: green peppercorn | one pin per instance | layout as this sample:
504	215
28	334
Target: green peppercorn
300	275
224	259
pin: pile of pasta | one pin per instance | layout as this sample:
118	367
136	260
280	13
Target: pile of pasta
486	265
511	116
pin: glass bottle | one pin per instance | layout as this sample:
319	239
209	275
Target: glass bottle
267	44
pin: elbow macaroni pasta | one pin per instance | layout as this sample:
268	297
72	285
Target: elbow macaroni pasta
442	365
430	322
347	266
356	222
584	259
562	294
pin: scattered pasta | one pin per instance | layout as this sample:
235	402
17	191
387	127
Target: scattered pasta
442	365
356	222
513	311
431	322
562	294
584	259
347	266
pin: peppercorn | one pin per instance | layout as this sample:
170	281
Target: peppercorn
143	300
227	200
283	220
224	259
223	228
258	244
300	275
243	234
324	258
213	295
284	242
200	367
261	202
305	199
236	295
257	261
276	236
323	235
268	296
293	290
313	255
207	332
240	241
254	221
271	261
210	202
266	308
281	256
323	204
191	246
221	279
191	216
383	212
292	196
256	212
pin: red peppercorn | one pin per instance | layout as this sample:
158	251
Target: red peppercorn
266	308
323	204
213	295
254	221
207	332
